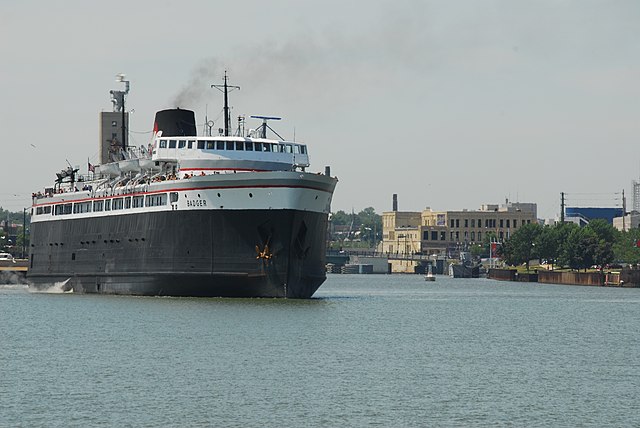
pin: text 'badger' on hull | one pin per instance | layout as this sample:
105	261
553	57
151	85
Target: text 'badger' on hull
224	215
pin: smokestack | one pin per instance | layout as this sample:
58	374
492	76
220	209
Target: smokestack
327	171
395	202
176	123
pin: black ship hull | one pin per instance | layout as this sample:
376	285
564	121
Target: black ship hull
214	253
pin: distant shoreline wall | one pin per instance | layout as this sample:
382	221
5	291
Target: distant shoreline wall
625	278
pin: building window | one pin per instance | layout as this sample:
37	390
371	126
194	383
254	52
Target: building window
479	236
434	235
425	235
501	223
473	236
457	222
473	222
515	223
443	236
453	224
466	222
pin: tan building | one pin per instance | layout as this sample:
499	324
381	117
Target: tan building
444	232
630	221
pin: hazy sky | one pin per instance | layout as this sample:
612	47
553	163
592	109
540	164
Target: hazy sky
450	104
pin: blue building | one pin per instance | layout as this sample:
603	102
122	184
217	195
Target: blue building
583	215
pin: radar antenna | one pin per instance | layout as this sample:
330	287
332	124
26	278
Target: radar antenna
264	126
225	89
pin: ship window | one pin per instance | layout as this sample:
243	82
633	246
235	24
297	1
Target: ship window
267	147
38	210
303	149
172	144
156	200
98	205
201	145
210	145
163	144
287	148
117	204
107	205
138	201
230	145
47	209
67	209
173	196
258	147
127	202
296	149
182	144
190	144
248	145
239	145
220	145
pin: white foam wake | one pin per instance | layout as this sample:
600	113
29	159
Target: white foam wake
55	288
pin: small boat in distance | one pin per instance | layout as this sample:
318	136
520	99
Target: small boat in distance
429	276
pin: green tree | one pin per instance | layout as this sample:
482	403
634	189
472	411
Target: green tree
626	249
340	218
370	225
580	248
520	247
548	244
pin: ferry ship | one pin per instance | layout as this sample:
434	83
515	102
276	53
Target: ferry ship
226	215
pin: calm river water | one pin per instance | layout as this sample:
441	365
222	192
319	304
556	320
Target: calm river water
387	351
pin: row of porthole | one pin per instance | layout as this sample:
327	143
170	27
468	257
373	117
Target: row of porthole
112	241
250	195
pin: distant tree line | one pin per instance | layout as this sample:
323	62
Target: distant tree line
11	238
569	245
365	226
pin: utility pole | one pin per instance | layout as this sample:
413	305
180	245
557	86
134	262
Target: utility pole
624	211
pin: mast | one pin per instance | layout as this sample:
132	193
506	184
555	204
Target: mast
225	89
117	98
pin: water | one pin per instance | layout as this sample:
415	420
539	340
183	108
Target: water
368	350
